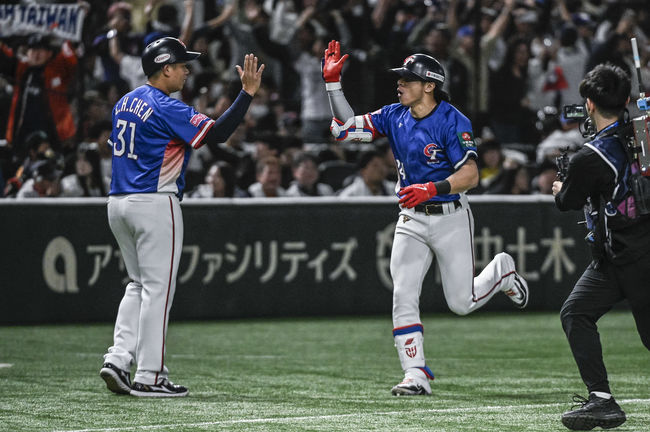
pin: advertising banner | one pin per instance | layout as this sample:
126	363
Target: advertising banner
277	257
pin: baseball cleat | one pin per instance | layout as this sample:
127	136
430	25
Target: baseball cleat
165	389
593	412
518	293
410	387
117	380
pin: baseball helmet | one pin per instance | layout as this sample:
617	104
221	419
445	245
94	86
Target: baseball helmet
421	67
167	50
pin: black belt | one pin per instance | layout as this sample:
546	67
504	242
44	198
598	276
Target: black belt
436	208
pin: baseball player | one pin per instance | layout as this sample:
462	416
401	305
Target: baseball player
152	137
435	155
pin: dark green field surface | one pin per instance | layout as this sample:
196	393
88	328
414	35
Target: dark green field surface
494	372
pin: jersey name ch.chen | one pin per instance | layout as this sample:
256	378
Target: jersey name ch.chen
137	106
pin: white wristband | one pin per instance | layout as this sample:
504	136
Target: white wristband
330	86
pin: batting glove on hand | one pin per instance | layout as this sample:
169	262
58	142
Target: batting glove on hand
332	63
415	194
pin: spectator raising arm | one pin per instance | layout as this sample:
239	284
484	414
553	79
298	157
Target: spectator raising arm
188	22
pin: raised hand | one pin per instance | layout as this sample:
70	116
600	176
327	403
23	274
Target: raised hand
250	75
332	62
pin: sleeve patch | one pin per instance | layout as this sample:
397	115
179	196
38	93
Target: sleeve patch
197	119
466	140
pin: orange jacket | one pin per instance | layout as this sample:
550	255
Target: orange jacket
58	74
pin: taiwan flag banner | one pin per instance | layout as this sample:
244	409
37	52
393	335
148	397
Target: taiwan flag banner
62	20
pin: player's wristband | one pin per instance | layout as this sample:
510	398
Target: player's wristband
443	187
329	86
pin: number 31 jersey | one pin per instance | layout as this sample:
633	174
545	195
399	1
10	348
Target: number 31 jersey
428	149
152	137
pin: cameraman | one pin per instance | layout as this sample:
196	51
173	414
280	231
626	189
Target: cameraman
619	238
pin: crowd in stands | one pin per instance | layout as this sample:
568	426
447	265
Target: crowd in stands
510	67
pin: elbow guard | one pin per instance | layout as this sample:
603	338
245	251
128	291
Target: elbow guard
357	128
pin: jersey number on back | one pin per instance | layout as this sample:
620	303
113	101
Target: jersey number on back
122	126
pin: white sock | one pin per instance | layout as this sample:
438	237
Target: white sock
602	395
410	350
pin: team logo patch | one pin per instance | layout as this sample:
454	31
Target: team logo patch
409	59
466	139
411	351
197	119
431	152
161	58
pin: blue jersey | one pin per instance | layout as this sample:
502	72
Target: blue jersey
152	137
427	149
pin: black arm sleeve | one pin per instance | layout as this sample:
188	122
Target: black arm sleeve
226	124
588	176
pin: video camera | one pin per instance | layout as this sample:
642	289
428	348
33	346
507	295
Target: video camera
578	113
575	112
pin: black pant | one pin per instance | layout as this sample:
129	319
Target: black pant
597	290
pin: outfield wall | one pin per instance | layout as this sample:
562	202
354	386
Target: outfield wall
267	257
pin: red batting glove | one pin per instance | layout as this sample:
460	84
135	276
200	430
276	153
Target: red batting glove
332	62
415	194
